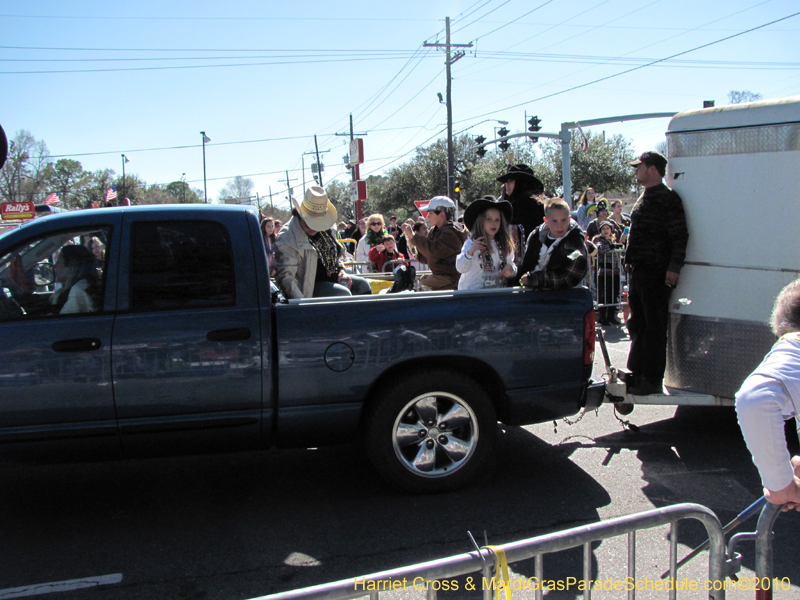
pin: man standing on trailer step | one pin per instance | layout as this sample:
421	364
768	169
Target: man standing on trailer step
655	255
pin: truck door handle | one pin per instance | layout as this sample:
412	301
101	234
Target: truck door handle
235	334
78	345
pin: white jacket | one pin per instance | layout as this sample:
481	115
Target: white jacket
473	277
362	253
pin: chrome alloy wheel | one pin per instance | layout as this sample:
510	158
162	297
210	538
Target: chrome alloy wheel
435	434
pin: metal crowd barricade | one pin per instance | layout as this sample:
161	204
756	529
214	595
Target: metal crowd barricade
608	279
486	562
763	539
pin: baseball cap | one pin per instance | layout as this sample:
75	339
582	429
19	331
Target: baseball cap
439	202
651	158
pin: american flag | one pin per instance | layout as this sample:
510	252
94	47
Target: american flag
111	194
52	199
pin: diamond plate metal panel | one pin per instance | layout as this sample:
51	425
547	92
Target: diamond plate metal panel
713	356
745	140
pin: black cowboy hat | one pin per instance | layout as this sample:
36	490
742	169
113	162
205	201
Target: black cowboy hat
3	147
477	207
518	172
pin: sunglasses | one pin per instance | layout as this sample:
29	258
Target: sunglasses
437	211
374	223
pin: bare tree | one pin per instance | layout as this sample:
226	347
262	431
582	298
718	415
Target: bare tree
738	97
27	169
239	188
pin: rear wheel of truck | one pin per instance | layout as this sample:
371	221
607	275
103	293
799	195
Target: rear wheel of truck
434	431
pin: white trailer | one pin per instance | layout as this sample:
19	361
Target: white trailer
737	170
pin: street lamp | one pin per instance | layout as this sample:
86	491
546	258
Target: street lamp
206	139
183	179
124	160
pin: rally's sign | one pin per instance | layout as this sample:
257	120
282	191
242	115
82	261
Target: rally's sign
17	211
356	152
358	190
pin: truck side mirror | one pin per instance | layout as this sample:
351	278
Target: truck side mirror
44	274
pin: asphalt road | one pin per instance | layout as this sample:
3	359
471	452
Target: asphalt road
242	526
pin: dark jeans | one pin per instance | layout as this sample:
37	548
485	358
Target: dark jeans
325	289
648	297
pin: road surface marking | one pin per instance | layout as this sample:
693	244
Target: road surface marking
59	586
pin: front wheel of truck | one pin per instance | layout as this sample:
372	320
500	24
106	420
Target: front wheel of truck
433	432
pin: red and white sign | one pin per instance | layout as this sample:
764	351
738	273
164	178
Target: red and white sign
356	152
419	204
17	211
358	190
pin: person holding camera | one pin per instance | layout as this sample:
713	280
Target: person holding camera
442	244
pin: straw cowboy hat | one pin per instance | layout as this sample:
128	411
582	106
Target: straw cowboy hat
316	210
477	207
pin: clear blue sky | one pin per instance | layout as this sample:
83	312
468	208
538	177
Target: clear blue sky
261	78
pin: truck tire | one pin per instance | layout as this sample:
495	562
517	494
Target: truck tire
434	431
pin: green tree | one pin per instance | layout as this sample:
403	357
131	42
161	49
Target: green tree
70	181
339	195
604	165
99	182
181	193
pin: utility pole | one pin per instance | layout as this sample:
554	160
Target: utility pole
272	208
355	170
448	62
316	153
319	164
288	189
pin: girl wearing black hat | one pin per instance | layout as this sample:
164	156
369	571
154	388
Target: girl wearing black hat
487	257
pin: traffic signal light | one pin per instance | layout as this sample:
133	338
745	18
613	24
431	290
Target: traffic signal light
481	151
457	192
503	132
534	126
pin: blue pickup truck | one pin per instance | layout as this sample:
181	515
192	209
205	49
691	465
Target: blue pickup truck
191	349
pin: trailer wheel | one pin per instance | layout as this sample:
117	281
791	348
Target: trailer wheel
433	432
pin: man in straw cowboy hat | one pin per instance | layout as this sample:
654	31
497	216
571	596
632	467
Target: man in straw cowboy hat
309	260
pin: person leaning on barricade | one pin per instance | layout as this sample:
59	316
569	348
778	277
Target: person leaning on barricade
384	252
555	255
769	396
608	274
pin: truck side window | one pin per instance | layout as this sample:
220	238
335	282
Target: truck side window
181	264
59	274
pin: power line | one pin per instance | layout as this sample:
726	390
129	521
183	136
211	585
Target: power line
481	17
278	139
179	67
640	66
249	18
80	49
517	19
